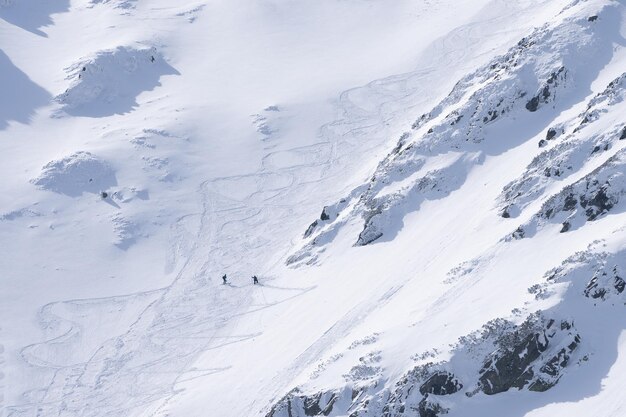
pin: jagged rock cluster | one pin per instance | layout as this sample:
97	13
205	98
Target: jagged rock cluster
573	151
521	362
530	84
595	195
579	175
530	356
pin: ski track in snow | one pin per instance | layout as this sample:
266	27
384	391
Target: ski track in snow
172	326
186	311
195	311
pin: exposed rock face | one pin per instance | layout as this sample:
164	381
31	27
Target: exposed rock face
605	283
547	92
590	198
329	213
529	357
429	408
571	154
528	81
295	404
432	161
441	383
551	134
532	355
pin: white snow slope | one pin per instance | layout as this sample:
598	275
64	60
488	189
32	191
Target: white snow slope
468	158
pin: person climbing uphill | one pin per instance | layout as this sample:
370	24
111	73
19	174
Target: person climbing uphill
224	278
255	280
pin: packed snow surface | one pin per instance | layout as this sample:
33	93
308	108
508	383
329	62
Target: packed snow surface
432	194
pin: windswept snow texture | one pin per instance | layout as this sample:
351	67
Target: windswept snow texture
431	196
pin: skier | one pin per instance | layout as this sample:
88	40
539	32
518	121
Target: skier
255	280
224	278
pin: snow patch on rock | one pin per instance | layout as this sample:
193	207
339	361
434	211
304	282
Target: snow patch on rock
592	197
487	112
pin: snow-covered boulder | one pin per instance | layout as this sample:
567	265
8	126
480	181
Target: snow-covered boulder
76	174
109	82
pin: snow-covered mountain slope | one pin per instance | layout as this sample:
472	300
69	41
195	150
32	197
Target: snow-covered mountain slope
467	157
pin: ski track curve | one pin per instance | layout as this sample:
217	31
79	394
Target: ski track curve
196	311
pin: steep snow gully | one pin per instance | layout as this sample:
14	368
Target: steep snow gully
469	258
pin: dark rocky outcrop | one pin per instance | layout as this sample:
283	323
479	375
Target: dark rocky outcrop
523	358
309	231
598	202
371	230
594	196
510	369
527	77
328	215
441	383
530	355
571	153
547	91
429	408
320	404
605	283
